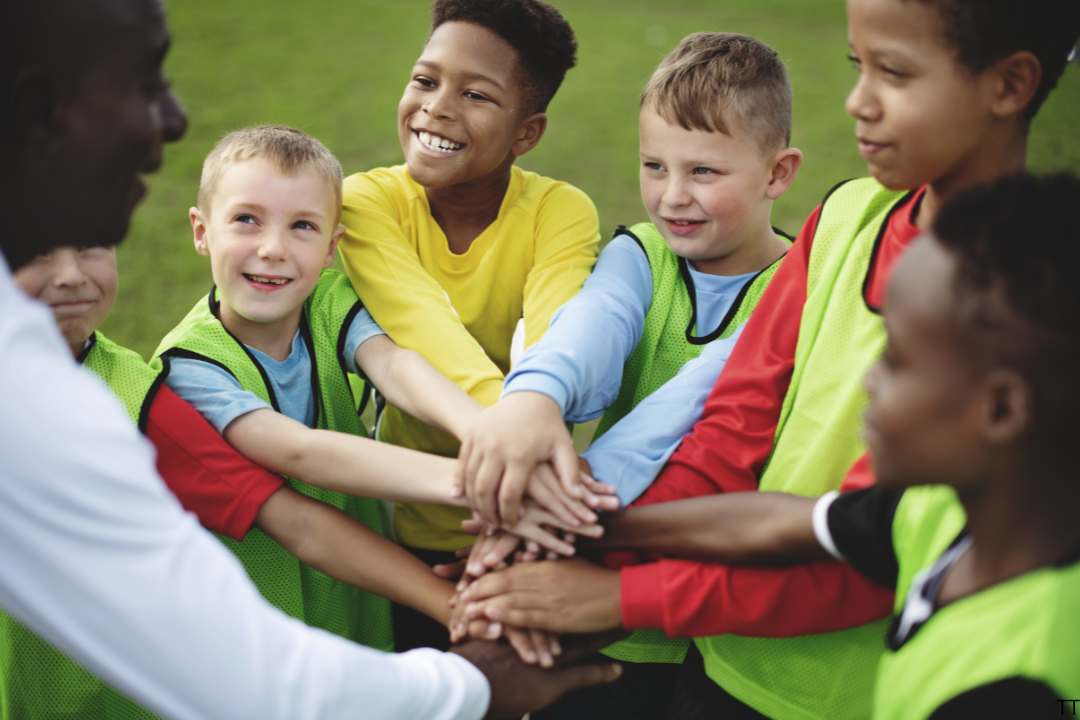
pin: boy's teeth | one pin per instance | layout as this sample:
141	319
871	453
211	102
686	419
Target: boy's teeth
271	281
438	143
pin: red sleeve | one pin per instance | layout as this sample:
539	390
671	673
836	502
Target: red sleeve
728	448
697	599
223	488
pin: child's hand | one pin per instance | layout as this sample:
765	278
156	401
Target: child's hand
505	444
565	596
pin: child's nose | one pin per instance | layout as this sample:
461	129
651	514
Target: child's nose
67	271
439	104
676	194
272	247
860	103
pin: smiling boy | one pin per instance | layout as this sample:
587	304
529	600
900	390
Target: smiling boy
264	358
649	333
456	247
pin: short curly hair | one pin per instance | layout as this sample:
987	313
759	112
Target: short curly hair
542	37
713	81
985	31
1015	292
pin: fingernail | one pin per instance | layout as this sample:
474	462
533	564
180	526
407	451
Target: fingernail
556	648
491	559
493	631
530	657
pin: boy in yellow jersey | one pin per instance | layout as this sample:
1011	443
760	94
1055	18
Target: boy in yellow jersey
451	250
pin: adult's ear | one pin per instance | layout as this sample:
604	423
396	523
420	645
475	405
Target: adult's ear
531	130
1006	410
1015	80
785	165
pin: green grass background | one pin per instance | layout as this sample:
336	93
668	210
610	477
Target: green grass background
336	68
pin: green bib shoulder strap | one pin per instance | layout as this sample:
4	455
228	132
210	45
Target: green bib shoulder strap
1027	627
299	590
828	676
126	373
671	338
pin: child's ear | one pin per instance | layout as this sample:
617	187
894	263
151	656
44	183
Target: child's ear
1015	80
339	231
199	230
1005	412
532	129
785	165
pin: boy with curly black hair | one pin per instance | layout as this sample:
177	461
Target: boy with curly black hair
455	248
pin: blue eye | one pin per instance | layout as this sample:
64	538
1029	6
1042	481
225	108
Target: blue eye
655	166
304	225
704	171
856	62
245	219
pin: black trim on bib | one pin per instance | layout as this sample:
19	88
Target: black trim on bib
144	411
623	230
90	343
305	333
688	281
215	305
342	337
877	247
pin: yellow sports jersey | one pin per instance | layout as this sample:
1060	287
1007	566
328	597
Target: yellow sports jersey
460	311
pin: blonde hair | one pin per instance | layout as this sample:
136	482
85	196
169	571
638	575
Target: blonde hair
713	81
287	148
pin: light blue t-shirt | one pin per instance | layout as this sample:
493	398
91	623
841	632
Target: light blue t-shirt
579	364
218	396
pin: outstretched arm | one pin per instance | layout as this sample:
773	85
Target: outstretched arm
334	543
342	462
412	384
759	528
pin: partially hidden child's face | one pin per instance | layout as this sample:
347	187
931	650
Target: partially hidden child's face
268	237
459	117
920	117
923	421
704	191
78	283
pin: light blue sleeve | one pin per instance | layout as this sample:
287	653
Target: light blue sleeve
631	454
579	361
363	328
211	390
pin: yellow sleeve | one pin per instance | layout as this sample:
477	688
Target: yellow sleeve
402	297
567	243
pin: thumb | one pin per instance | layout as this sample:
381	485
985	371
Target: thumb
580	676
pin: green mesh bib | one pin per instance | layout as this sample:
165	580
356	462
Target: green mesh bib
1026	627
828	676
297	589
670	340
37	681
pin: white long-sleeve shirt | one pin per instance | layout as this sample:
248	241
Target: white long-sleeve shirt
98	557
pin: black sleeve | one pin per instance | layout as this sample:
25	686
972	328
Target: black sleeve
1013	697
860	523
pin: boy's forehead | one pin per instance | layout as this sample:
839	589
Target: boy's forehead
894	27
258	179
472	52
660	136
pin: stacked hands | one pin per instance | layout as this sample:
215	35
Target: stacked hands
532	497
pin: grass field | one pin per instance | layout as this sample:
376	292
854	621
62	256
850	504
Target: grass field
336	68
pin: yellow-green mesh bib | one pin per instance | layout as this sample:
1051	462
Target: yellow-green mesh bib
669	340
37	681
828	676
1027	627
299	590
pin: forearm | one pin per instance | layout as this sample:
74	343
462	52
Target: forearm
341	462
687	598
335	544
417	388
747	528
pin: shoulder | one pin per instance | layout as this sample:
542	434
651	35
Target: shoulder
392	183
546	194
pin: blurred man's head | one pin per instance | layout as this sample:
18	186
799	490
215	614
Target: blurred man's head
84	112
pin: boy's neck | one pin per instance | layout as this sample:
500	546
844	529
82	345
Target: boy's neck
1004	154
272	338
464	211
1018	523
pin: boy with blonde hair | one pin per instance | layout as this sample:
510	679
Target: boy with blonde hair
266	358
649	333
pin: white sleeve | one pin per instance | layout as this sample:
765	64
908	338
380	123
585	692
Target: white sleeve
821	524
99	558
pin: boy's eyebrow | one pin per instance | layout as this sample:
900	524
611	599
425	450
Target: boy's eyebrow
468	75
